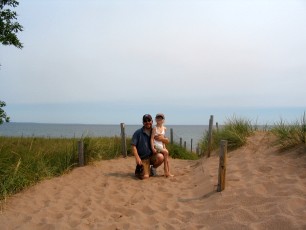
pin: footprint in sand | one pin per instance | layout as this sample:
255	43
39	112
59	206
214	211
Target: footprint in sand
264	169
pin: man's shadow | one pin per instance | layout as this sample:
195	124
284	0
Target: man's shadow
122	175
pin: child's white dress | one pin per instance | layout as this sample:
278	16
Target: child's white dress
158	144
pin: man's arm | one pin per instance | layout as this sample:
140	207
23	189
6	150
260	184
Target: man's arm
137	158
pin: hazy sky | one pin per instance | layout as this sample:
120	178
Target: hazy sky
107	62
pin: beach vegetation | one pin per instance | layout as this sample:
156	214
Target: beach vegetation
176	151
24	161
235	130
290	134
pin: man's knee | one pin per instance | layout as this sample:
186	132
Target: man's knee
146	176
159	159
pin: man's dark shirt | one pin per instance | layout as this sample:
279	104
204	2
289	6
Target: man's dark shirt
142	142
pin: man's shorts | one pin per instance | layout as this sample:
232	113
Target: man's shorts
146	166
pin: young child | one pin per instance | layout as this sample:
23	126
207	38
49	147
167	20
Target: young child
158	146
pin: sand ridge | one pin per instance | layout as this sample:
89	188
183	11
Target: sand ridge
265	189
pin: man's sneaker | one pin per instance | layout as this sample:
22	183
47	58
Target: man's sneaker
153	171
139	170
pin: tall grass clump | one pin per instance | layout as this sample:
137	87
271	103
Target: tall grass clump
105	148
176	151
26	161
290	135
235	130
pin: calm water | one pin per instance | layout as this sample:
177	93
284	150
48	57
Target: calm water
186	132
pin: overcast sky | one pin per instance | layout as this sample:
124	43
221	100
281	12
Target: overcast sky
107	62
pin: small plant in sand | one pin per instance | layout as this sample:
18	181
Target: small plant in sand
290	135
235	131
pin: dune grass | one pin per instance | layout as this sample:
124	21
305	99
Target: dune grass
176	151
290	135
235	131
25	161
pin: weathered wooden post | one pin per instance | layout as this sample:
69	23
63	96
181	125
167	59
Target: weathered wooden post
198	149
191	145
81	153
185	145
181	142
217	126
211	120
171	136
123	140
222	166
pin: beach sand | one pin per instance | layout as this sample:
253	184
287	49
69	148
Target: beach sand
265	189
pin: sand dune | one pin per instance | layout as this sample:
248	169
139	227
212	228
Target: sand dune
265	189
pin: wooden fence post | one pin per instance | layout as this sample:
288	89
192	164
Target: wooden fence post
181	142
198	149
171	136
81	153
222	166
211	120
185	146
191	145
123	140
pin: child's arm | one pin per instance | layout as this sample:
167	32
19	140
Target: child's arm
152	140
164	136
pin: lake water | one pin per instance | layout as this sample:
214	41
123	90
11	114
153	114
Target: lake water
16	129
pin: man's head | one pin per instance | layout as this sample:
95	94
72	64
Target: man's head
147	121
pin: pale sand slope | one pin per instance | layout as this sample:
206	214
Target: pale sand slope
265	190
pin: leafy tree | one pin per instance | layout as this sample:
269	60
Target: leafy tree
9	28
3	116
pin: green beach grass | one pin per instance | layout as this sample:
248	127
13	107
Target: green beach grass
235	130
290	135
24	161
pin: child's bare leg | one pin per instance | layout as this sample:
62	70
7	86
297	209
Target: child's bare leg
169	174
166	154
166	163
